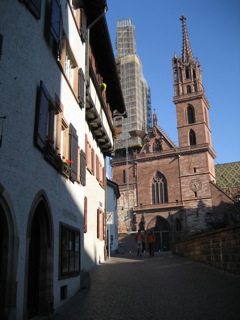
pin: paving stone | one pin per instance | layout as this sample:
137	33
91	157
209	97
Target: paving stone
164	287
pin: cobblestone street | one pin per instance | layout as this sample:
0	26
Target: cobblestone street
165	287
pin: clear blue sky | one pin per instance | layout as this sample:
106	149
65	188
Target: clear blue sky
214	34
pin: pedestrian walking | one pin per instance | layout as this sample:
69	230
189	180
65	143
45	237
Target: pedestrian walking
139	238
151	239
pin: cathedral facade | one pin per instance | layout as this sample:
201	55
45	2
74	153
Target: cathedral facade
167	188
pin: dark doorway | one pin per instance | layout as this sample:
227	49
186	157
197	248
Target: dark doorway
162	241
39	294
8	263
3	256
161	229
34	268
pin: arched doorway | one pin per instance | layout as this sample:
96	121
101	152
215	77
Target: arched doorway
161	229
8	260
4	238
40	262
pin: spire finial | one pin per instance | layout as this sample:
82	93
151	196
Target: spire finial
155	124
186	48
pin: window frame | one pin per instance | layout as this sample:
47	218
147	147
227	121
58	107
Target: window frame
71	252
192	138
159	189
44	123
191	114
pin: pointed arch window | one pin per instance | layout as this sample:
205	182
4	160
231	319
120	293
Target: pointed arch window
190	114
195	86
188	73
157	145
192	138
189	90
159	189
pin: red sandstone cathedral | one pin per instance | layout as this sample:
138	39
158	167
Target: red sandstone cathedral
172	189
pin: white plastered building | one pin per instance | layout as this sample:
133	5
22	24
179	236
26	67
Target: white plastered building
56	131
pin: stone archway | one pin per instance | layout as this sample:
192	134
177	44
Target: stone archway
161	229
39	270
8	258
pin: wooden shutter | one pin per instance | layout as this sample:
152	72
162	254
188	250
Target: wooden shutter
85	215
81	87
73	152
92	161
56	22
42	117
82	168
35	7
97	167
83	23
98	223
104	178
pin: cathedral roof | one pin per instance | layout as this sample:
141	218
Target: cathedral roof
157	139
228	174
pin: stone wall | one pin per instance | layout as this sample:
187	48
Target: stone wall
220	248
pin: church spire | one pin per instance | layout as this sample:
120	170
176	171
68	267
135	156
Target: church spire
186	48
155	123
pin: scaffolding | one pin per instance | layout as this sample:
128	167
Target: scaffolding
135	90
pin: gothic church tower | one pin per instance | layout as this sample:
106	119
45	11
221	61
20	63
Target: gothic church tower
192	109
189	97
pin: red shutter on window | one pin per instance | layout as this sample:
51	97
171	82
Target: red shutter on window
82	168
73	152
98	223
85	215
104	178
93	161
81	87
97	167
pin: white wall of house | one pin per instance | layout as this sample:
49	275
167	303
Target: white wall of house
28	175
95	193
26	59
112	207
